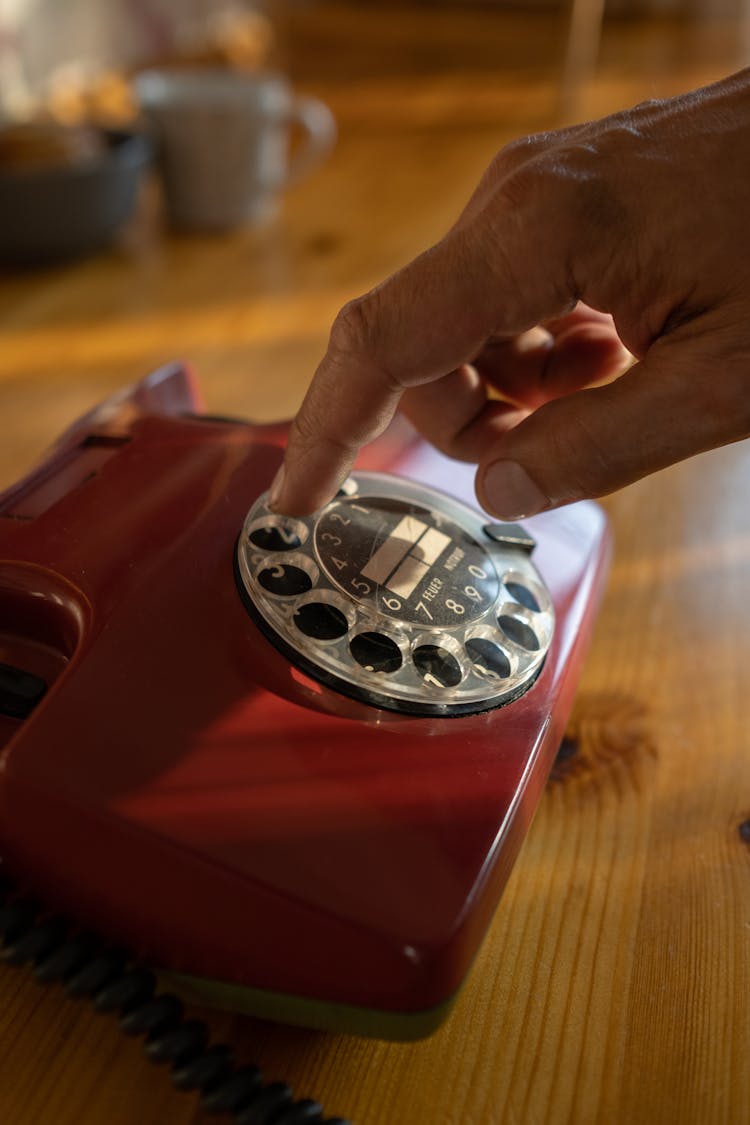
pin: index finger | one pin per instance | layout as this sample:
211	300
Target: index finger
416	327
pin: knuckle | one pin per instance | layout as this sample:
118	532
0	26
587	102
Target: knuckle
304	427
536	205
518	152
572	195
648	108
304	432
363	334
353	331
575	181
309	439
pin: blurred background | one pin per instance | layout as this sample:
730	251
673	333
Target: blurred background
211	180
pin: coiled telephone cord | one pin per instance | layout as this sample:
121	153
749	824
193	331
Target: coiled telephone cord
85	967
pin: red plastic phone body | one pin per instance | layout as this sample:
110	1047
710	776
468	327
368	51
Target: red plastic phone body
190	795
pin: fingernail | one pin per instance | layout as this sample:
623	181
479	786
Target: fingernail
277	485
511	493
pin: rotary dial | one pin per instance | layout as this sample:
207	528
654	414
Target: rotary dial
400	596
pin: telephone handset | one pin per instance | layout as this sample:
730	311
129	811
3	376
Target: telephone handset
288	761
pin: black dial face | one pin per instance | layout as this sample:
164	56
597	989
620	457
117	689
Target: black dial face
405	561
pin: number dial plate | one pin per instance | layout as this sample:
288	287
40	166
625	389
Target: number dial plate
404	561
394	594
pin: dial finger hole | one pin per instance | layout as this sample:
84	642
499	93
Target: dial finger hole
437	666
488	659
523	595
519	632
277	534
274	539
376	653
285	580
321	621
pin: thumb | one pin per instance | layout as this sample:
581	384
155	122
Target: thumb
671	406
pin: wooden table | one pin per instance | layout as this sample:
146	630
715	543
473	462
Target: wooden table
613	986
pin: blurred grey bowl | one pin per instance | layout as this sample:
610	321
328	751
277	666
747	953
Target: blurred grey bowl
60	212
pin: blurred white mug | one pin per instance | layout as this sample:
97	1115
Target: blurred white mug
224	142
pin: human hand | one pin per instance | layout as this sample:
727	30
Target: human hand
642	217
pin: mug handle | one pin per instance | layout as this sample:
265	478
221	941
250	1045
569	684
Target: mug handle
319	125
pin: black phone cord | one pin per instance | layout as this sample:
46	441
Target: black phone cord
88	968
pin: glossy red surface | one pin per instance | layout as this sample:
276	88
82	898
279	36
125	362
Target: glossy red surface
185	791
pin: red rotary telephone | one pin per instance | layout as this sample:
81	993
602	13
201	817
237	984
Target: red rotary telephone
289	761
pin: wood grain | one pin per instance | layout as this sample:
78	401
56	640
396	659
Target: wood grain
613	985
